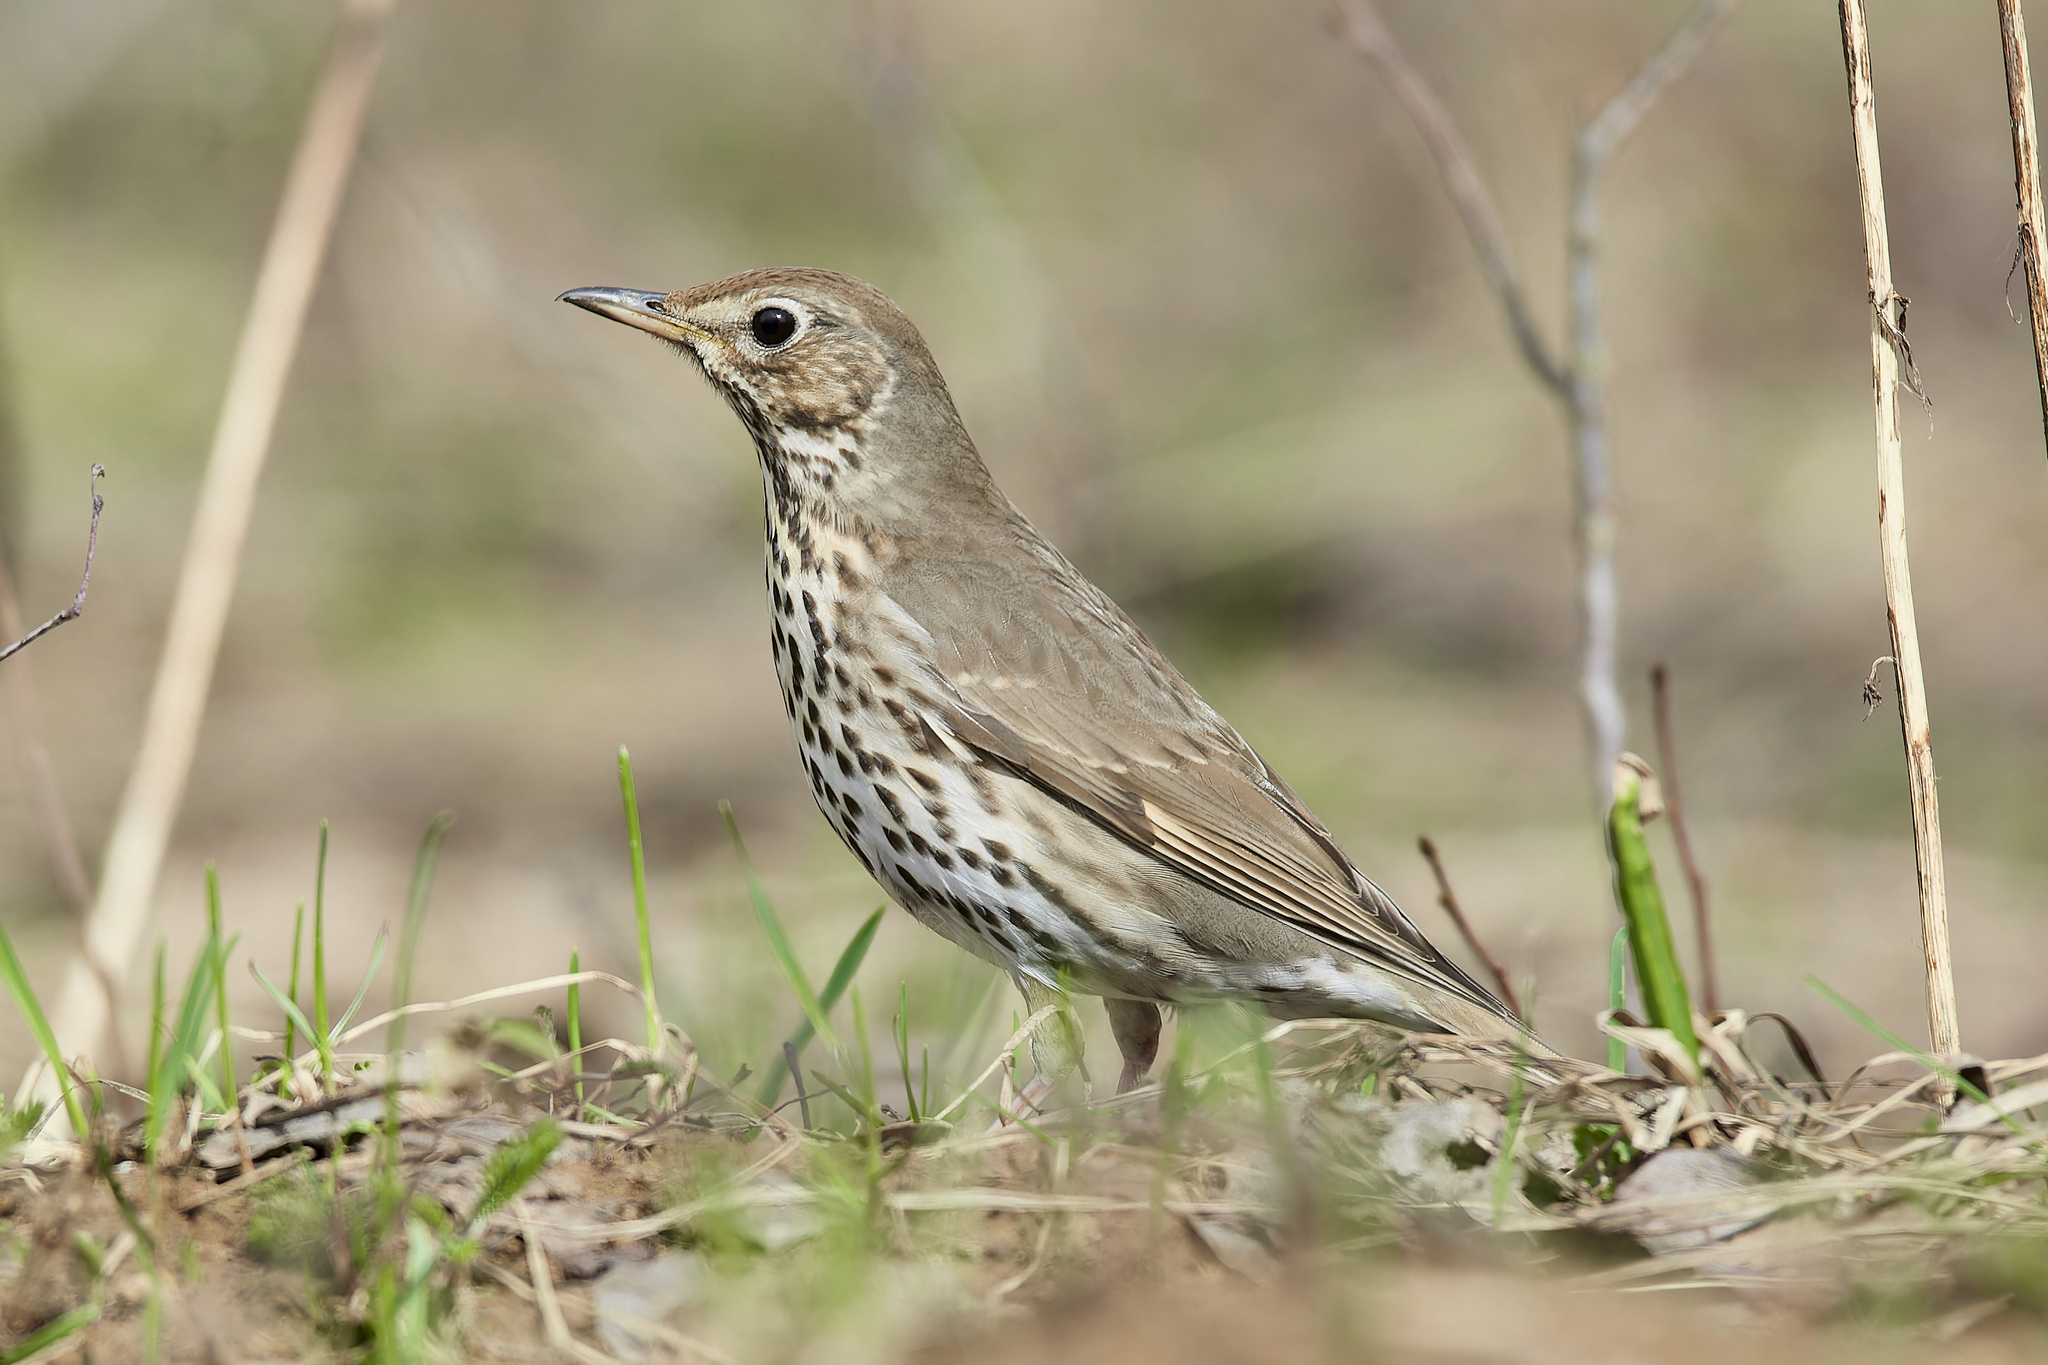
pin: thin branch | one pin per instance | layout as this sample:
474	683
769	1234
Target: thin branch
1577	377
1585	396
206	583
1358	23
58	839
1448	899
2026	174
1674	806
77	607
1891	530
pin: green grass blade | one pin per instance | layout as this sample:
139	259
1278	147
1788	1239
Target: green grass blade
575	1012
326	1039
1898	1044
153	1122
415	920
1617	994
291	1025
630	794
220	986
1642	907
284	1002
16	978
843	970
901	1029
778	942
51	1332
377	948
184	1040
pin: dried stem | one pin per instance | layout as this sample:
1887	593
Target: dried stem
1577	378
58	839
1887	316
1674	806
2026	174
263	361
1448	899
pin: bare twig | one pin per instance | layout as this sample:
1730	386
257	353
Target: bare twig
77	607
1674	806
2026	174
1359	24
1577	377
1448	899
263	361
1891	530
1586	401
58	839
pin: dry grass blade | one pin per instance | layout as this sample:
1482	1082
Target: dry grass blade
1887	317
2026	174
206	582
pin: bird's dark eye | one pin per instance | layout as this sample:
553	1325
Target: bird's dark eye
773	326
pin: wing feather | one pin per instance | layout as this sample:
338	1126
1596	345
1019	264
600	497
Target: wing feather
1058	685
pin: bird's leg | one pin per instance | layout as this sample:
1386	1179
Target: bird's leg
1056	1046
1136	1026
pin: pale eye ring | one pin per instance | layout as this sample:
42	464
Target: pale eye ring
773	326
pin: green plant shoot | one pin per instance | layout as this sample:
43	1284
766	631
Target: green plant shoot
1642	908
631	796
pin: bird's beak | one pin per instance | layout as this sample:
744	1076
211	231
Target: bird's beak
636	308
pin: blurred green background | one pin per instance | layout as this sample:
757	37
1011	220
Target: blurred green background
1205	307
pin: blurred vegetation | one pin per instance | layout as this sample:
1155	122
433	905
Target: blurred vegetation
1204	307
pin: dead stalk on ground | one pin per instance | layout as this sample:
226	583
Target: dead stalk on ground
1577	379
2026	174
263	360
1887	343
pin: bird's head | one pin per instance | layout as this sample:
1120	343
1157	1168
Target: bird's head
829	375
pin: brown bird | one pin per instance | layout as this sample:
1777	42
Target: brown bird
999	745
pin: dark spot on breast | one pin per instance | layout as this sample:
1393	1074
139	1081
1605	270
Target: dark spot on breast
917	841
943	830
885	676
1002	875
943	859
922	779
969	856
895	840
997	850
839	672
811	710
845	763
889	801
847	733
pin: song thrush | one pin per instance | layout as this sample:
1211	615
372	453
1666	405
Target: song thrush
994	739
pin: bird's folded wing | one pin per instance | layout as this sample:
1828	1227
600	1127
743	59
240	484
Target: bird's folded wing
1065	690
